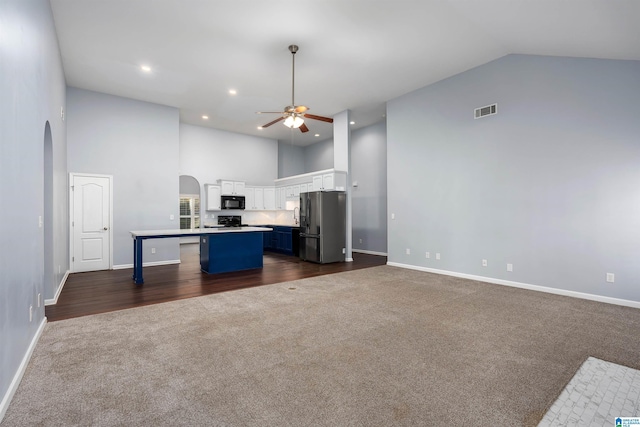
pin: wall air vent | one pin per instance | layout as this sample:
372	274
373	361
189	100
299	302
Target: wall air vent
489	110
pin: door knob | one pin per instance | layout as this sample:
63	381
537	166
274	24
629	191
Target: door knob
105	228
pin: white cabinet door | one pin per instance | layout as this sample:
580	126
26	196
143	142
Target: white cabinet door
282	198
317	183
303	188
238	188
213	197
234	188
296	191
269	198
289	194
249	199
259	199
227	187
327	181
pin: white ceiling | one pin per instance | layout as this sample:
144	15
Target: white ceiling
354	54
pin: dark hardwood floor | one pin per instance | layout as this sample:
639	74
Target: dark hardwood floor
111	290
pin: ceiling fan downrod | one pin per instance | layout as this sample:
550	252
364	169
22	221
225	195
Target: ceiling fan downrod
293	49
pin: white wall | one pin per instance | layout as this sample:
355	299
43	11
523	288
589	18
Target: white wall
32	89
211	154
136	142
549	184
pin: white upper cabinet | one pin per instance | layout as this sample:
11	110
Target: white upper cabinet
324	182
249	198
233	188
213	197
258	203
269	198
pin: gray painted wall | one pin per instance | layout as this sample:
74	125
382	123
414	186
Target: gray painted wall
290	160
549	184
318	156
369	198
33	92
138	144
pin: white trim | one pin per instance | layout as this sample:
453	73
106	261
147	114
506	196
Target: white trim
348	260
72	175
363	251
13	387
147	264
54	300
556	291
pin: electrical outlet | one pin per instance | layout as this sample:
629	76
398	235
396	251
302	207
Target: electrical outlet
509	267
484	263
171	217
360	240
611	277
437	255
408	251
153	250
427	255
393	216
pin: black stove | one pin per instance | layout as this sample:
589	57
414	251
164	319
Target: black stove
231	221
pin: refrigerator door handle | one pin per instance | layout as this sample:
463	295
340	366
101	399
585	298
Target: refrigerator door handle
312	236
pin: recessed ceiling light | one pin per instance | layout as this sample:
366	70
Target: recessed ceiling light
232	92
317	134
205	117
352	123
145	68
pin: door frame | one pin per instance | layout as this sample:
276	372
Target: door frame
71	230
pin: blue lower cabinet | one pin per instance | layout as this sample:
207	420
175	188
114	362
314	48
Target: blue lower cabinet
224	252
281	240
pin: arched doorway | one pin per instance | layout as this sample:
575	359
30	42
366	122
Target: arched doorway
190	217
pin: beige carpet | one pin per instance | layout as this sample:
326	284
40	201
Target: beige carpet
374	347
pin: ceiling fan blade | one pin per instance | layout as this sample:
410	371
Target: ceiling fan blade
321	118
268	112
301	109
303	128
272	122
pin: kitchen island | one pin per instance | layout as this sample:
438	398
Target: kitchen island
227	249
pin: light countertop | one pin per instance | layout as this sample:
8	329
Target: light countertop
196	231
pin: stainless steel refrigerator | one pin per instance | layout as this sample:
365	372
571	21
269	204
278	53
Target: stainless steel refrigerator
323	226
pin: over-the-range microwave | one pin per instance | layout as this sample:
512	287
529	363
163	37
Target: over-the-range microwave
232	202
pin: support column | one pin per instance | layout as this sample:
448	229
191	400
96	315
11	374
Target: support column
342	162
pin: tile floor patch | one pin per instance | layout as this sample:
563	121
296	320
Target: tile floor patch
597	394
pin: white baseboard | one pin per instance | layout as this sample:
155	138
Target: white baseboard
147	264
362	251
556	291
54	300
13	387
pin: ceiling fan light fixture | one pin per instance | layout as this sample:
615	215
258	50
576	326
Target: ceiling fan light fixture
293	122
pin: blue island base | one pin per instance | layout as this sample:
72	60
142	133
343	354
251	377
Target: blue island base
224	252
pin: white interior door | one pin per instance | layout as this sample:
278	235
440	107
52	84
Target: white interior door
90	222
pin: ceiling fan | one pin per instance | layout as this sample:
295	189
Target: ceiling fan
294	115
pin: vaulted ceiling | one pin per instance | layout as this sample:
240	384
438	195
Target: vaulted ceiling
354	54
